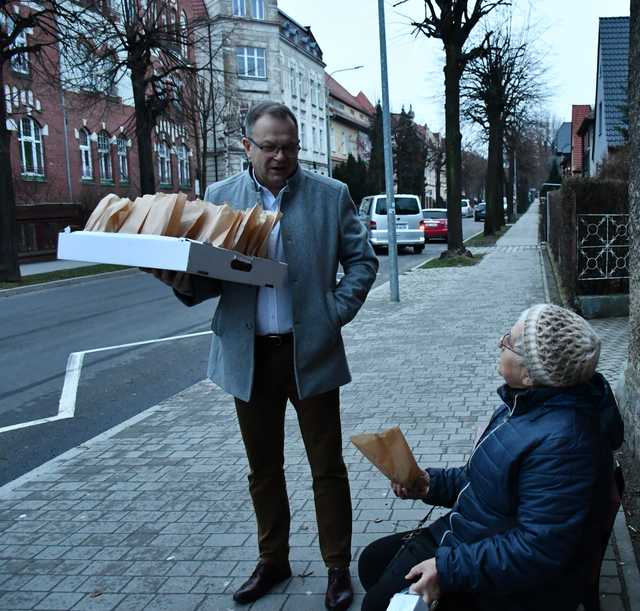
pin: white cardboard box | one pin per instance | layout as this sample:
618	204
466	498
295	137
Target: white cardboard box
162	252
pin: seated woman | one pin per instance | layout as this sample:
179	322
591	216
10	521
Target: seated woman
522	507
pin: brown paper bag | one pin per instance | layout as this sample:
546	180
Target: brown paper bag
139	211
193	217
390	452
220	219
256	237
273	218
246	229
227	240
109	214
175	220
165	213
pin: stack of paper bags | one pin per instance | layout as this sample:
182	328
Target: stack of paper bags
390	452
170	214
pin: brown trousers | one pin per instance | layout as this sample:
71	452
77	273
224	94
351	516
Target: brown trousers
262	427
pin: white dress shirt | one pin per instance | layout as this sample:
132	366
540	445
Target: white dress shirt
274	312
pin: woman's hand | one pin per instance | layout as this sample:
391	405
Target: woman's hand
419	489
428	586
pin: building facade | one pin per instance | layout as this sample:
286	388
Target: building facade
73	144
435	171
350	120
266	55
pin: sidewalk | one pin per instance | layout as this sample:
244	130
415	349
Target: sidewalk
156	515
43	267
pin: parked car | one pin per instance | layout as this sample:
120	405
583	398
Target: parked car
480	211
373	214
435	224
466	208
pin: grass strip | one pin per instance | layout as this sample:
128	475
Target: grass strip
487	240
452	262
62	274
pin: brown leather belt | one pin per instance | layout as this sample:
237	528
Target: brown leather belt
274	340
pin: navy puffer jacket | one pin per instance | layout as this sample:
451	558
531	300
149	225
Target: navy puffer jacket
522	504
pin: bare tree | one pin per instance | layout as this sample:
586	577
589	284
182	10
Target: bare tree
211	107
474	173
452	21
147	43
498	88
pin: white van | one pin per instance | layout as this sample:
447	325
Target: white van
409	231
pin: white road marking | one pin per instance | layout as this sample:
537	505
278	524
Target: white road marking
67	404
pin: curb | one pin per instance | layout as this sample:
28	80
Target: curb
628	565
65	282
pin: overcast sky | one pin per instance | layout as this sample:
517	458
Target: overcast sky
347	32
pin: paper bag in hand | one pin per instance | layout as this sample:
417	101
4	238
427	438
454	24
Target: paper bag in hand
390	452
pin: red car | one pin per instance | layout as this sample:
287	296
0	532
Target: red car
434	224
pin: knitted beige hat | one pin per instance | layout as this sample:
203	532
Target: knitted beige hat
560	347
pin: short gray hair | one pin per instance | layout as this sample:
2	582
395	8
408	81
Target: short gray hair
271	108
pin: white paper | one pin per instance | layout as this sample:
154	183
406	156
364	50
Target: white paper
405	601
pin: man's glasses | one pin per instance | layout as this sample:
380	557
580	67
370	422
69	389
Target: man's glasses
505	342
288	150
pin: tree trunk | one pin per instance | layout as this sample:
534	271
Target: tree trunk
494	176
9	268
633	372
144	132
511	154
501	176
452	75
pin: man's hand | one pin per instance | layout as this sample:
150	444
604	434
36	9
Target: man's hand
428	586
417	491
179	281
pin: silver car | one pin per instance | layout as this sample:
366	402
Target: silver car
466	208
409	232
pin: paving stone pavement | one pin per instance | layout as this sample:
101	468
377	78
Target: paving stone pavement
155	514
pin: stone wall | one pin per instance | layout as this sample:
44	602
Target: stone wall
630	399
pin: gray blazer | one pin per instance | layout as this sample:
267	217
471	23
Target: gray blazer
319	228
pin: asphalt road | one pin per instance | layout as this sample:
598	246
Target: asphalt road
39	330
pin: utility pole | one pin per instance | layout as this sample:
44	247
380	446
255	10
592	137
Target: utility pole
388	162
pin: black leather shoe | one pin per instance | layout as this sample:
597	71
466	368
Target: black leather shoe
264	577
339	591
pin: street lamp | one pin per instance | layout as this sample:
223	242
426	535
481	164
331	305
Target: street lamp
328	117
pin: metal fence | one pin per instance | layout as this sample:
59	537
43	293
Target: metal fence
602	242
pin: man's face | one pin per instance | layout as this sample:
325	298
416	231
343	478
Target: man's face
272	169
510	366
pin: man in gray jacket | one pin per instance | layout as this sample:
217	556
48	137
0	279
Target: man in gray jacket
271	345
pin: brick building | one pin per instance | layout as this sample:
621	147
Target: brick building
70	147
579	112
